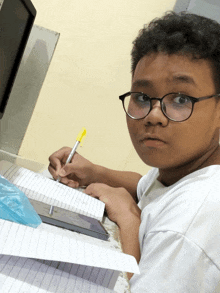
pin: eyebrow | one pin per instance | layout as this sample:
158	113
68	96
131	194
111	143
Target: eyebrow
184	79
142	83
178	79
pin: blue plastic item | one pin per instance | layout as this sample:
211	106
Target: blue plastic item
15	206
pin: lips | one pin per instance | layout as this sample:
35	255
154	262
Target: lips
153	141
152	137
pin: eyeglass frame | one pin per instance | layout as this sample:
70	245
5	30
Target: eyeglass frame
192	99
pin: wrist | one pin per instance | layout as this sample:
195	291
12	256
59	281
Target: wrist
99	174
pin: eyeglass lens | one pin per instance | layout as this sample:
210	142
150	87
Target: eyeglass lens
177	107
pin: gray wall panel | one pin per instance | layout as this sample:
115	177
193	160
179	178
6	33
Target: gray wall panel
208	8
29	80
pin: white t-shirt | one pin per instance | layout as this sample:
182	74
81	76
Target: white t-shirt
179	234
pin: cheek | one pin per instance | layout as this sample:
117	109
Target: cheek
133	128
202	128
186	141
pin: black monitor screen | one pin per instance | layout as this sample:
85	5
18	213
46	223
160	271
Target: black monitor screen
16	20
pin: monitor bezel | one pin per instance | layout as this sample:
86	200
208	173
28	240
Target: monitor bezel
32	14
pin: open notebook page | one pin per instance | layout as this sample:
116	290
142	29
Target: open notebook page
79	254
43	189
18	275
24	241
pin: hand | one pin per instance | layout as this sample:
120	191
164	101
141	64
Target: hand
120	205
122	210
79	172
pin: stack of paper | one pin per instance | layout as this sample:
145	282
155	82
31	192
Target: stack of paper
43	189
50	259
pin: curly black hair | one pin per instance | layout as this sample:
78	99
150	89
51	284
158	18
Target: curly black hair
181	33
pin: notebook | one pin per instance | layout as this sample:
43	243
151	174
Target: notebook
51	259
43	189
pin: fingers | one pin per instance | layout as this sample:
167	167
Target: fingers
68	169
107	195
97	190
57	160
78	172
73	184
53	171
100	191
69	182
59	157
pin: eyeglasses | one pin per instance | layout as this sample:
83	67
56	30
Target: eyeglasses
175	106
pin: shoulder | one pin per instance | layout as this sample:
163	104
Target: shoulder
179	234
192	202
185	198
169	256
190	207
146	181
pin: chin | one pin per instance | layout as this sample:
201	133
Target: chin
160	162
153	159
153	163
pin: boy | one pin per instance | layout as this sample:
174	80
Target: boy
173	117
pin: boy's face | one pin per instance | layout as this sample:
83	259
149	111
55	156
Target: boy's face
167	144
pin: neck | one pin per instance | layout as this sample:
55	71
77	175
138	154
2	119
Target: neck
170	176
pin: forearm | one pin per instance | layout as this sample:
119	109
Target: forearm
129	236
114	178
121	209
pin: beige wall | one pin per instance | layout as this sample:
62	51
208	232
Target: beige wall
89	70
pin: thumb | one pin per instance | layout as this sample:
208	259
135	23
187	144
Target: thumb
66	170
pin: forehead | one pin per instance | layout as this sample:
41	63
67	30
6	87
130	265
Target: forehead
159	68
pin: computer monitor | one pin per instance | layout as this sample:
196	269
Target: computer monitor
16	20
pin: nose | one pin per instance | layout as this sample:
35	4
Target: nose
156	116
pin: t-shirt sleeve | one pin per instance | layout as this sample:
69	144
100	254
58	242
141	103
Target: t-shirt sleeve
170	262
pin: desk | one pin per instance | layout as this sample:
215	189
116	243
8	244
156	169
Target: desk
122	284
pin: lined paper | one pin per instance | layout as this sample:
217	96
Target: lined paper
43	189
24	241
51	259
30	275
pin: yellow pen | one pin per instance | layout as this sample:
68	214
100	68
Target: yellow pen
80	137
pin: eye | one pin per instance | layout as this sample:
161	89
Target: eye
140	98
181	99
